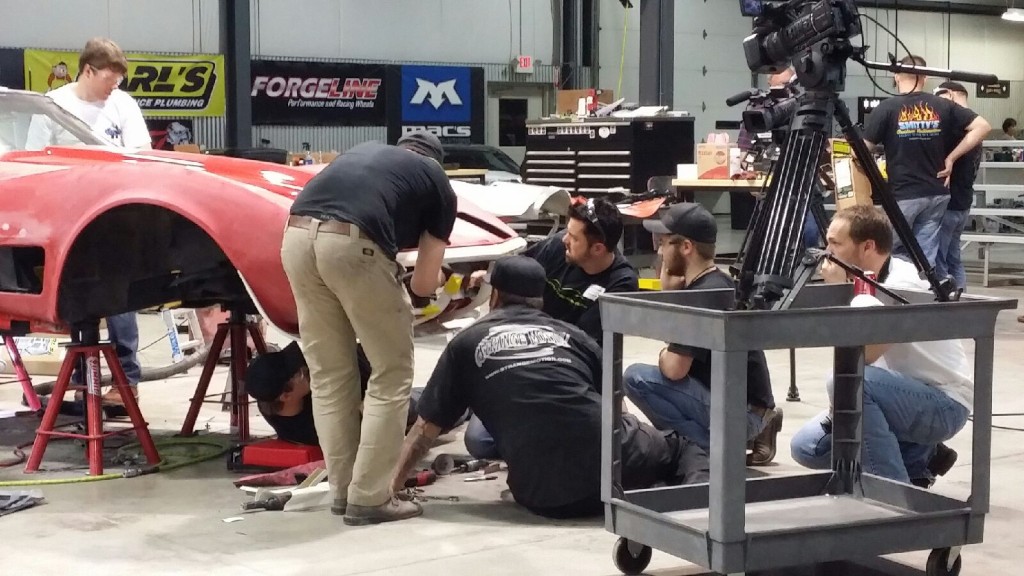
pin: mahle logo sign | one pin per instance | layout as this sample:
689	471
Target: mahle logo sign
436	95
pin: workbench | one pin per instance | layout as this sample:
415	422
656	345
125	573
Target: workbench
732	524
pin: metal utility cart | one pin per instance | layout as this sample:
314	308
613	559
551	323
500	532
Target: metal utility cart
734	525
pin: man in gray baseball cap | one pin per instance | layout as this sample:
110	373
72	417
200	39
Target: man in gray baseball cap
675	393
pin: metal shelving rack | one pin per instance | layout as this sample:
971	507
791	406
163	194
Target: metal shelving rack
733	524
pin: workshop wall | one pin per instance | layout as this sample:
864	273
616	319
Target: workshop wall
709	63
400	30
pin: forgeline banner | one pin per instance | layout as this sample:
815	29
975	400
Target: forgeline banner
191	85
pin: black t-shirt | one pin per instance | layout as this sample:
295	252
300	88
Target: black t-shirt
569	295
533	381
961	182
918	131
298	428
759	382
390	193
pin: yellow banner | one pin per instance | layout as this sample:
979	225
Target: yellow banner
191	85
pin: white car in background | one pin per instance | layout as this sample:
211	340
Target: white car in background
500	167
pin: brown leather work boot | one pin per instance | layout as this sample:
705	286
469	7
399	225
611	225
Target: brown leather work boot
763	446
113	404
390	511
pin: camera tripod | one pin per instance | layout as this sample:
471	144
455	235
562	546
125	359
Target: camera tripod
772	265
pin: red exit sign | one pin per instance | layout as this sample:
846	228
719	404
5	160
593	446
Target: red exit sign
524	64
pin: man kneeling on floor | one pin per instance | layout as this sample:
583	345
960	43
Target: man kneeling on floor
675	394
279	382
534	382
916	394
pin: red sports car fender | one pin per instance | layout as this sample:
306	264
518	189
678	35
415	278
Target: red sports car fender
241	205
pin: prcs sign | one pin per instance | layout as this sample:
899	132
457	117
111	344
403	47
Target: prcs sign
317	93
445	100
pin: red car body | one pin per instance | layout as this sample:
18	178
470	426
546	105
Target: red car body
89	231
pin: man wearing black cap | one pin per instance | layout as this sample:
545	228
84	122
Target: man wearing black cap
675	394
961	196
534	382
345	230
581	263
279	382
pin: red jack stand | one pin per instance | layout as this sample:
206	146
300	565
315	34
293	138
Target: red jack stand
88	349
21	375
239	328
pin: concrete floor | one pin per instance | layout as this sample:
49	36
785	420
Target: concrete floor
173	523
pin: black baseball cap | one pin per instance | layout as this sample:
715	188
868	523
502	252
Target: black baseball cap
686	219
950	87
267	374
519	275
424	143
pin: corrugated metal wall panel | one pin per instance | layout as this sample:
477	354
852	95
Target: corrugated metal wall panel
325	138
209	131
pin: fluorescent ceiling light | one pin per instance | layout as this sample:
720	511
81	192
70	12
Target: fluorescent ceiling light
1014	14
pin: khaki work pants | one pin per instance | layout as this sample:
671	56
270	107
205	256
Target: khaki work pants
345	288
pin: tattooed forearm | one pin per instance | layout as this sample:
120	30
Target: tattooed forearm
417	446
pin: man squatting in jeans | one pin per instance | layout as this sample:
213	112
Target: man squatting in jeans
675	394
916	395
534	382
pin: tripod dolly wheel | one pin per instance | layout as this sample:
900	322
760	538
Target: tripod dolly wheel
631	558
938	563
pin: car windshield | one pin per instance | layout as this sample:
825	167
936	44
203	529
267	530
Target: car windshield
33	121
481	158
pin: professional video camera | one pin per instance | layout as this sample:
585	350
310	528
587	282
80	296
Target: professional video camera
814	37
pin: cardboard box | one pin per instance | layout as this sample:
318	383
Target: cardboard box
713	161
567	101
42	354
852	185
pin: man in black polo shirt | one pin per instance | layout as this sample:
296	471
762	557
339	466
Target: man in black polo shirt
675	394
582	262
534	382
923	135
345	229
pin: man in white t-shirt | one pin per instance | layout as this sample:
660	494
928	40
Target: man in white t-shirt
916	395
115	117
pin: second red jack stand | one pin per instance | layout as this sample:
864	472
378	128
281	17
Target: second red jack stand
21	374
239	329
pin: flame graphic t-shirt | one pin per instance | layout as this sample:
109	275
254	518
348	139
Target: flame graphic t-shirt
918	131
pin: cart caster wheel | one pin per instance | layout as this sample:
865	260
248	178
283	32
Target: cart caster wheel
626	561
938	563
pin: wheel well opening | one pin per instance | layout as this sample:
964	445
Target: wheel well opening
139	256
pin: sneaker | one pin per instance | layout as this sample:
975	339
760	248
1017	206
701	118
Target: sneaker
390	511
339	507
763	446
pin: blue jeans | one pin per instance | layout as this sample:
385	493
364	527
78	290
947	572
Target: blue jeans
680	405
811	236
479	442
924	216
123	330
948	260
903	420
